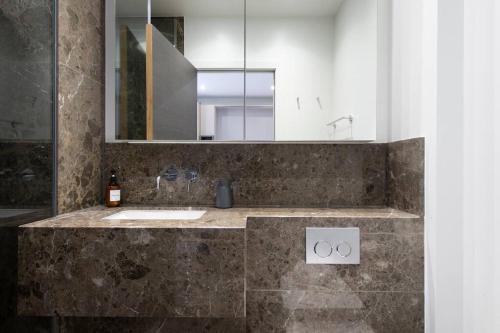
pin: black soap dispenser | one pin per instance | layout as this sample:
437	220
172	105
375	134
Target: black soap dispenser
224	194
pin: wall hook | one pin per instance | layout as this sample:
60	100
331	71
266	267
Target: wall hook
298	103
319	103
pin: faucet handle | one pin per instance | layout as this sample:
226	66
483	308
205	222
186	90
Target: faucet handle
171	174
158	183
192	176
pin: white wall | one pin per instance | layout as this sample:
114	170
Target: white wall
214	42
408	50
445	86
384	51
299	49
445	183
481	171
354	87
416	96
302	52
207	120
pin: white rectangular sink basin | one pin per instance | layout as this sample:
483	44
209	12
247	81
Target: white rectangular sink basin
157	215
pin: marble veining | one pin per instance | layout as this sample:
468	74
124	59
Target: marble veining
405	175
327	311
25	68
152	325
289	175
232	271
382	294
241	268
213	218
80	103
392	256
26	104
120	272
27	168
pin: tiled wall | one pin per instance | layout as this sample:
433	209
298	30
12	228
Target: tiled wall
293	175
150	325
405	175
276	174
382	294
26	174
132	102
132	272
25	142
26	70
81	103
225	280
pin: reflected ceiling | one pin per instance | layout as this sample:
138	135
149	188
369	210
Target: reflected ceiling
230	84
275	8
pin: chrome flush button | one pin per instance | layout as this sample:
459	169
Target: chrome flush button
338	246
344	249
323	249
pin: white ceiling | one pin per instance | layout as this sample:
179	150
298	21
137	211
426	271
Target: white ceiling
275	8
230	84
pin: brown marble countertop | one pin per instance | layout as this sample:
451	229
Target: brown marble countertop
213	218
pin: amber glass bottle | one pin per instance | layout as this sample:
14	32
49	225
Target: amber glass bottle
113	192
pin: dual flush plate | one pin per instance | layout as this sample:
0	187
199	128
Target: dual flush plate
337	246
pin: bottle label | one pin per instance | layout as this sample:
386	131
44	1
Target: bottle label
114	195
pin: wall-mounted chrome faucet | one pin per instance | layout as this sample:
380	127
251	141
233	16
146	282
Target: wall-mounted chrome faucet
170	174
191	176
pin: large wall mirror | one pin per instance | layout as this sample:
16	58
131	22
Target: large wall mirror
236	70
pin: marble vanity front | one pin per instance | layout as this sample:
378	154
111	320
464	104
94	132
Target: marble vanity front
237	265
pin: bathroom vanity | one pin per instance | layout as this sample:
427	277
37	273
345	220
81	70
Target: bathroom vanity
239	269
242	265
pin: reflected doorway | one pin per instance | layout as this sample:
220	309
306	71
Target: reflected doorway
226	113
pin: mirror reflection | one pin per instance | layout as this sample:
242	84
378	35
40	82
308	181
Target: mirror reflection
225	115
203	71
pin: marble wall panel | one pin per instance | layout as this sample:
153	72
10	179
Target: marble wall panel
304	311
268	174
26	70
81	37
392	257
8	258
26	105
151	325
81	103
26	174
405	175
132	272
9	321
132	101
384	293
80	142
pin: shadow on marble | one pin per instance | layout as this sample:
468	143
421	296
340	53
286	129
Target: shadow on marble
131	272
151	325
79	170
27	168
392	256
334	312
405	175
80	103
265	175
9	321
